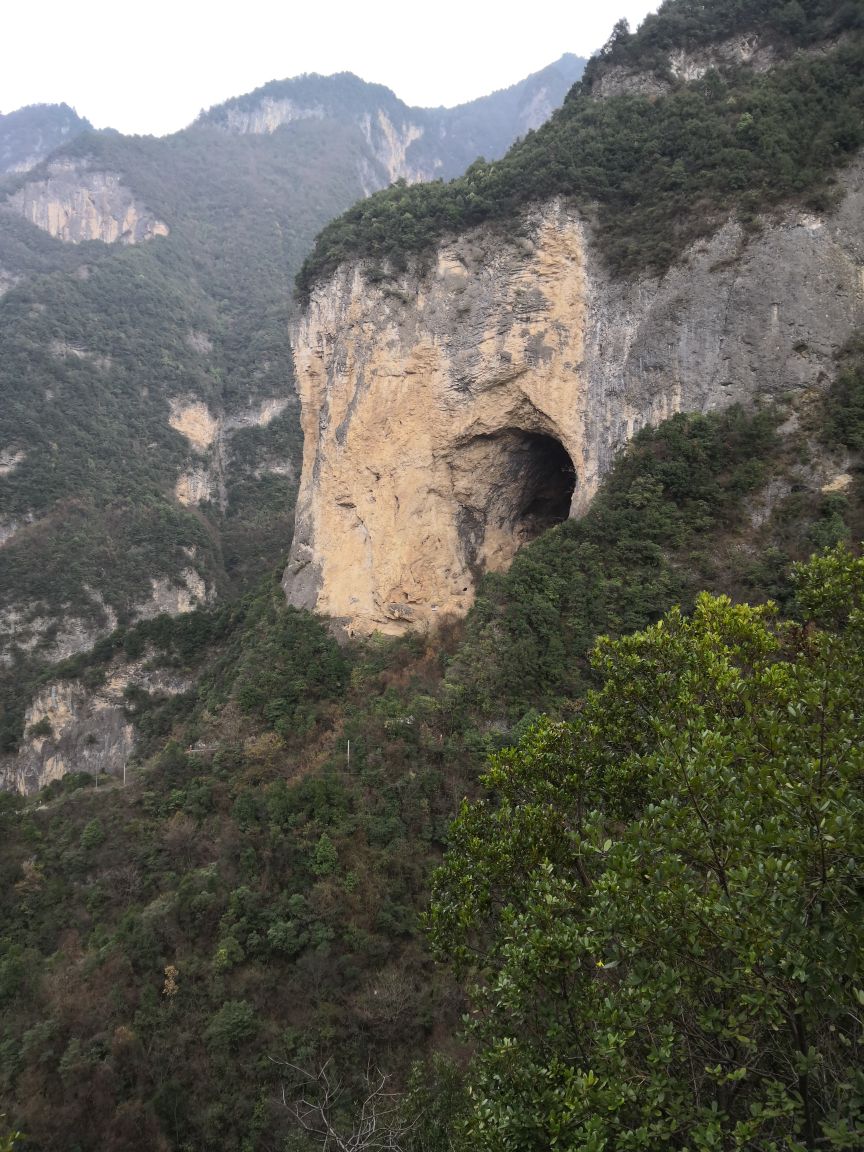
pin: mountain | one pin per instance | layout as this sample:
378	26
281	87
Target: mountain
28	135
683	234
410	143
545	402
149	440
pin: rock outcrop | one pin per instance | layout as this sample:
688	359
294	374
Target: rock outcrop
208	437
71	729
76	203
453	413
25	626
682	66
264	117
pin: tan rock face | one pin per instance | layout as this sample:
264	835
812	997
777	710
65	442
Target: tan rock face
195	486
209	436
175	599
451	416
75	204
194	420
87	731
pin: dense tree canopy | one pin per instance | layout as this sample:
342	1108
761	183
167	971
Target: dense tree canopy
661	910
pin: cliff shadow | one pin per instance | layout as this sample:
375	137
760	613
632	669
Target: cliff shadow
512	486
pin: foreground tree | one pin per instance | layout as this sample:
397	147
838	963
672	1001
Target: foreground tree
661	908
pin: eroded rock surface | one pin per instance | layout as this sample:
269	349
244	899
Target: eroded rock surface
175	597
25	626
618	80
208	436
71	729
451	415
76	203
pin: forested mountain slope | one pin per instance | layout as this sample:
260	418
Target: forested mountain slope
149	441
250	898
241	926
29	134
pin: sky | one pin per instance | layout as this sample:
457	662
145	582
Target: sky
152	67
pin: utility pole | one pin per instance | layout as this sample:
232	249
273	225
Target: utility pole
348	759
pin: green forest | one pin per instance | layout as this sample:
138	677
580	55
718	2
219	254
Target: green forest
246	916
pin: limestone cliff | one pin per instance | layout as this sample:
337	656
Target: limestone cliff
76	203
453	414
209	436
71	729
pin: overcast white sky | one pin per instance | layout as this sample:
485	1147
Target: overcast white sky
151	67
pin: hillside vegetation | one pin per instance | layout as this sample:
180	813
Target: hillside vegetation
256	900
652	174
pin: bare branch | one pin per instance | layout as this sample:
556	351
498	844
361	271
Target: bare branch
377	1126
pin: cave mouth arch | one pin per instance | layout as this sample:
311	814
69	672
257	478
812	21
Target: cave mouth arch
512	485
545	480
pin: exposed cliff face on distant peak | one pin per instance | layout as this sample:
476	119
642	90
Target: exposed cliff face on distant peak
407	143
452	415
684	65
390	144
29	134
75	202
268	115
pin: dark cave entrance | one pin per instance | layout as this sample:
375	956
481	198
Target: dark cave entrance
547	480
512	486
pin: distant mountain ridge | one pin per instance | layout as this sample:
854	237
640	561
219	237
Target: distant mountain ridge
29	134
412	143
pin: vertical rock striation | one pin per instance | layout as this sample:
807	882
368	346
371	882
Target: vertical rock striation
452	414
76	204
